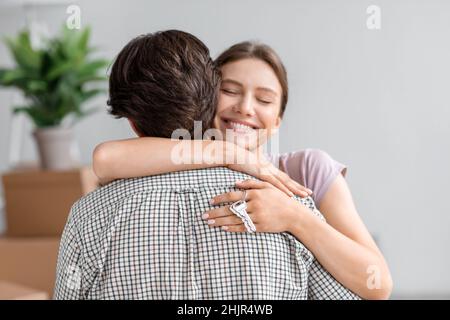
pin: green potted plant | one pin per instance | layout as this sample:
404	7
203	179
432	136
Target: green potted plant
56	80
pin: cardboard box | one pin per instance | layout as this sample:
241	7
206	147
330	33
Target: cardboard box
37	202
29	262
13	291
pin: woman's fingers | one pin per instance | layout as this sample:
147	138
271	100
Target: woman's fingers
251	184
291	184
292	187
269	181
268	174
227	197
299	186
237	228
277	183
225	221
282	181
217	213
224	218
295	187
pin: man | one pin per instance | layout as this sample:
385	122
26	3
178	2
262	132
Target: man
144	238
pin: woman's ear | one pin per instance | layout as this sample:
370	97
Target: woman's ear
276	125
278	122
274	129
134	128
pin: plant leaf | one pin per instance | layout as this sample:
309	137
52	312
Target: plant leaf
53	78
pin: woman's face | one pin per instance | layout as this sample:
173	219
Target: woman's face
249	103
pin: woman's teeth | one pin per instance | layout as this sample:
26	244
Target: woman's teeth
240	127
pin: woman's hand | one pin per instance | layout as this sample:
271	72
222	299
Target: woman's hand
269	208
253	164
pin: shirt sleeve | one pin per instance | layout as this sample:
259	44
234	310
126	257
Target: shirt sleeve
68	270
322	285
320	170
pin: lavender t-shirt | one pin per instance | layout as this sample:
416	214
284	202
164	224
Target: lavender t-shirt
312	168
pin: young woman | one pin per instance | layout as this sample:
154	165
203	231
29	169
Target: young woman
252	101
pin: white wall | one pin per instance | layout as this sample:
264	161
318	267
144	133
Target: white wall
375	100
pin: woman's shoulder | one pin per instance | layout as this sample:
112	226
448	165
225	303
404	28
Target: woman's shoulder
310	158
313	168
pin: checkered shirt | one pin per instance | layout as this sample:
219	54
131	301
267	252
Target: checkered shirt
144	238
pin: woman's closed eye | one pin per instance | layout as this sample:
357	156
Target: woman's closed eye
264	101
230	92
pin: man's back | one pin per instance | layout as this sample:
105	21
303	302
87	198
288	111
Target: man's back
144	238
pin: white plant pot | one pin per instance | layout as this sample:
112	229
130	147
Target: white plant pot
57	148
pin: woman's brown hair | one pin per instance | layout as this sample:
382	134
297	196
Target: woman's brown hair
256	50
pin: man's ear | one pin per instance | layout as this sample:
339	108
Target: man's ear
134	128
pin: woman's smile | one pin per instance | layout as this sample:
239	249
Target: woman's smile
249	102
239	126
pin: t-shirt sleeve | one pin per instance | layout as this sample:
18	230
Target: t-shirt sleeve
320	170
312	168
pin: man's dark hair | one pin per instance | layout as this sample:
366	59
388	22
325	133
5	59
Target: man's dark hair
164	81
